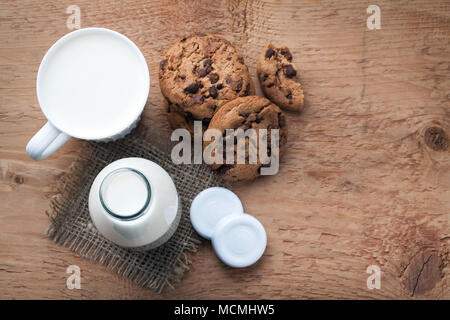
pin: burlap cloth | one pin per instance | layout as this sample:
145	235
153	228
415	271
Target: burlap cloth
71	224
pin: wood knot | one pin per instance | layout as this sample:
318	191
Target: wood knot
18	179
436	138
422	272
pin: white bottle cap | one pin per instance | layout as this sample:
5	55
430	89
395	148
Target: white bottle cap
210	206
239	240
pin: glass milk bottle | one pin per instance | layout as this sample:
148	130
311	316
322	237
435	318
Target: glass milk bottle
133	202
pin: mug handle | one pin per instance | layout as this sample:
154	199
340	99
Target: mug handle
46	141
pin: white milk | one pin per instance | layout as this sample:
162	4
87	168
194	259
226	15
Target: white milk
93	85
118	204
125	192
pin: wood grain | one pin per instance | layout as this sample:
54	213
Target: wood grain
365	180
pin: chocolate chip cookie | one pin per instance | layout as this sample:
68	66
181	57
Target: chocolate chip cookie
199	74
244	113
277	76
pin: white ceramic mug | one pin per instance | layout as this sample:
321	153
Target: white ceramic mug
92	84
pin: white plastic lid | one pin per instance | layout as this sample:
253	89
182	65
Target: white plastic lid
210	206
239	240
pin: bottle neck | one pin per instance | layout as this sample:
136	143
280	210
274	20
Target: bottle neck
125	193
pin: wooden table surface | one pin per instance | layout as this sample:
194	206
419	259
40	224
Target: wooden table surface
365	180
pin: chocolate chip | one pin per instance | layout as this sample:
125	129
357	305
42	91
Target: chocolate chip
213	77
239	85
281	120
289	96
258	119
189	115
192	88
286	53
219	86
247	89
265	76
197	98
184	39
207	68
270	85
213	92
269	53
290	72
224	169
163	64
182	76
229	81
207	62
202	72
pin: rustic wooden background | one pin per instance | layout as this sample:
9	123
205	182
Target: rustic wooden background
366	179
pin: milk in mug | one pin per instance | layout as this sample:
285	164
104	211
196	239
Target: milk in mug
92	84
